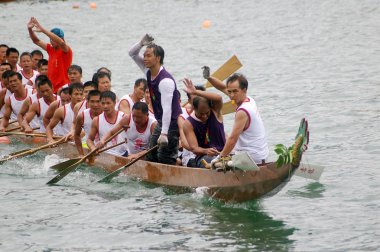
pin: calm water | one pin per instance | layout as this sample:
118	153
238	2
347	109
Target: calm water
318	59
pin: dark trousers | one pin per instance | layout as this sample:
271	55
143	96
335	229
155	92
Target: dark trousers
168	154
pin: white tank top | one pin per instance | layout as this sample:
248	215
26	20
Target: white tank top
16	104
87	121
252	140
104	126
29	81
6	97
67	121
83	106
128	99
138	141
35	122
43	107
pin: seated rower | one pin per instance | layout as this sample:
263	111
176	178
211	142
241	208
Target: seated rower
40	107
65	115
3	67
204	128
105	122
84	119
64	98
4	92
248	132
141	127
43	67
14	102
28	74
74	73
127	101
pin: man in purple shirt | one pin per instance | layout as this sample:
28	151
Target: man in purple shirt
164	97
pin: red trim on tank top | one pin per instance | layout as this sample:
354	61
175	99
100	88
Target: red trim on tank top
117	115
64	114
249	118
26	95
146	126
39	108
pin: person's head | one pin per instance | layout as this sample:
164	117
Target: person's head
190	97
45	87
237	86
76	92
65	96
36	56
147	96
39	78
3	52
93	101
104	70
75	73
140	113
202	108
26	61
153	55
87	87
4	67
4	78
43	67
15	81
58	32
12	56
139	88
104	82
108	101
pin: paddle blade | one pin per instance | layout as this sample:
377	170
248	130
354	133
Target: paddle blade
228	68
63	165
64	173
313	171
228	108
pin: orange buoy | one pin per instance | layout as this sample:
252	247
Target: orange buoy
93	5
206	24
5	140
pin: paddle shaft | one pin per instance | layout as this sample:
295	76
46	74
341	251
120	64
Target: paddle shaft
75	165
118	171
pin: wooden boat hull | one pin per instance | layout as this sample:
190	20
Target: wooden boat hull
231	186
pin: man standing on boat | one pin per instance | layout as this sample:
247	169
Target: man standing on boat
164	98
204	128
248	132
60	54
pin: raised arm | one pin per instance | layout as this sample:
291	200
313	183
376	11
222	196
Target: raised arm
33	35
166	88
61	43
217	100
135	50
218	84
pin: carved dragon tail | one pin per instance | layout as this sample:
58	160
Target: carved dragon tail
301	143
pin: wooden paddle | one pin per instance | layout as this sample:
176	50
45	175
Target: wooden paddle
31	151
72	167
228	68
118	171
61	166
25	134
12	129
12	122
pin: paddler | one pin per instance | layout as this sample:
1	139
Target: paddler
164	98
248	132
127	101
204	129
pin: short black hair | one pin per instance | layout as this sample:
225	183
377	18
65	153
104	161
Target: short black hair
64	91
102	75
4	45
138	81
6	74
42	62
26	54
76	68
44	81
75	86
40	78
90	84
11	50
198	99
6	64
158	51
141	106
243	83
93	93
108	94
37	52
13	73
106	70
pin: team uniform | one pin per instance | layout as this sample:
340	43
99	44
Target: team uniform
83	106
128	99
43	107
16	104
67	120
252	140
104	126
138	140
29	81
87	121
6	97
34	123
